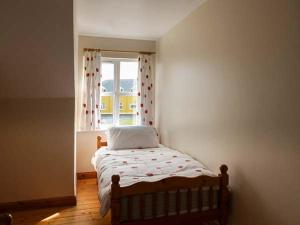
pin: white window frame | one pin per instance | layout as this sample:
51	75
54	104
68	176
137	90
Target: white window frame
116	93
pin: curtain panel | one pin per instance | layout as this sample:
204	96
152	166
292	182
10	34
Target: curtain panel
91	87
145	113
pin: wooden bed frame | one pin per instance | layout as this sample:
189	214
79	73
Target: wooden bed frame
142	189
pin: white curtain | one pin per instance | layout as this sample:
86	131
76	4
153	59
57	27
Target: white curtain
145	113
91	86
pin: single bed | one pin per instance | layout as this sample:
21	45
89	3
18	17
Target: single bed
159	186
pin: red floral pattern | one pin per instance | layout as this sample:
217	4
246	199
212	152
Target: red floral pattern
90	111
152	165
145	91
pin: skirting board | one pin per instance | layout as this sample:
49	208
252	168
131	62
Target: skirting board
38	203
86	175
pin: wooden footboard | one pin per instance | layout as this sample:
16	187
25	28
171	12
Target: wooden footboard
141	189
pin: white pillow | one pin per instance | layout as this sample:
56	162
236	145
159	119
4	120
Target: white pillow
132	137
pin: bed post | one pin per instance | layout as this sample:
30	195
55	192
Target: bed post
224	195
115	200
98	142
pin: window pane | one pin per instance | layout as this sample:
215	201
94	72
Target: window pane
107	77
128	76
106	111
106	95
127	109
128	92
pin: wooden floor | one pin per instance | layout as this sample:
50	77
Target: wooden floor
85	213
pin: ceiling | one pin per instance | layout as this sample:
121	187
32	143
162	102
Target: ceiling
137	19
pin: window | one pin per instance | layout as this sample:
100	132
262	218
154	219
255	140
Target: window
132	106
119	92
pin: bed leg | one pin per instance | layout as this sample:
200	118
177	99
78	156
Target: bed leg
224	195
115	200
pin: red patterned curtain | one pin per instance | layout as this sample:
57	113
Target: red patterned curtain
145	114
90	95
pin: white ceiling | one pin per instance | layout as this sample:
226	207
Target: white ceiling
138	19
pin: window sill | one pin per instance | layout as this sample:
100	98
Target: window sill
91	131
100	130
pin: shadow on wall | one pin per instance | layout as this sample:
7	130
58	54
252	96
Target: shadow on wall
247	203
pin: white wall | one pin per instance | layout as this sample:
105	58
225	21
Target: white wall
36	100
228	90
86	141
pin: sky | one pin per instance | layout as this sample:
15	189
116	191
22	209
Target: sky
128	70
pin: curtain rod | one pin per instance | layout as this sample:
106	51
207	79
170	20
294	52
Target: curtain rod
116	50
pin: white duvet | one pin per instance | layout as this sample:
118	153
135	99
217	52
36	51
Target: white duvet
135	165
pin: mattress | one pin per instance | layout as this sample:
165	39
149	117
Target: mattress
151	164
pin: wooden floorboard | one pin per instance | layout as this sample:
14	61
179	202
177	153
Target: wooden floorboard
86	212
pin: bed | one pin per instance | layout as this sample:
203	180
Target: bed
159	186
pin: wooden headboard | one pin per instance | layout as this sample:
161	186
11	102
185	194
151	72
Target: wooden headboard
100	143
